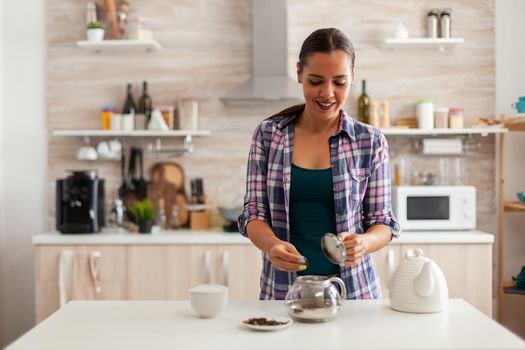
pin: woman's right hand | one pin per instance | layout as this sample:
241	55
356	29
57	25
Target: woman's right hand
284	256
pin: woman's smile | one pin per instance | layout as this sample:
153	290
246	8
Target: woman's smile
325	106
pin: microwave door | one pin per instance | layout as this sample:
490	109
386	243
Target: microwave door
428	212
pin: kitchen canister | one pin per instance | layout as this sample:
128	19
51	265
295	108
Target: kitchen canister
432	23
188	113
444	23
441	118
456	118
425	114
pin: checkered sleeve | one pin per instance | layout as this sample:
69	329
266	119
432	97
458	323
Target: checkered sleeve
377	203
255	200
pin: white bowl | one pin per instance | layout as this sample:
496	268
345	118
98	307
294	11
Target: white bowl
208	300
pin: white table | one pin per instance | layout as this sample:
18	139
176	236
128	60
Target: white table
173	325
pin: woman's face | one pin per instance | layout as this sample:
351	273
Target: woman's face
326	80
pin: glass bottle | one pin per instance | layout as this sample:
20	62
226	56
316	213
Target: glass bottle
145	103
161	215
363	105
174	223
129	104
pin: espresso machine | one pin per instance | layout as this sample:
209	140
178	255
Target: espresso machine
80	202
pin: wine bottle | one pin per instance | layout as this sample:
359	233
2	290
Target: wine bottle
363	105
129	104
145	105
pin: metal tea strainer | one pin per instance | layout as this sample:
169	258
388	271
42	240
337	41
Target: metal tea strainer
333	248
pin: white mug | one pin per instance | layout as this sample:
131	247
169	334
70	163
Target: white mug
103	150
87	153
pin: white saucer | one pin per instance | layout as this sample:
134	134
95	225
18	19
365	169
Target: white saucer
288	323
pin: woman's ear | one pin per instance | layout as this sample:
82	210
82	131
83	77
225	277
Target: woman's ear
299	73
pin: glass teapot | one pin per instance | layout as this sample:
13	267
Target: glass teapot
315	298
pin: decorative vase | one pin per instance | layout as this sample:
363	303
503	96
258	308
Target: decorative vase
145	226
95	34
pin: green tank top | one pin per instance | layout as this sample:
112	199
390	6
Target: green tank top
312	214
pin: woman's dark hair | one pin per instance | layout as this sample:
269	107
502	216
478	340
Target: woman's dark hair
326	40
322	40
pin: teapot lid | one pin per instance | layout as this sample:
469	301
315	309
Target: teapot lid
333	248
416	255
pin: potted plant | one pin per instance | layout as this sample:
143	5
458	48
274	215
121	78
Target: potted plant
95	31
142	211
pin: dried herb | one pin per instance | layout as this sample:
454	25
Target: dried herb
261	321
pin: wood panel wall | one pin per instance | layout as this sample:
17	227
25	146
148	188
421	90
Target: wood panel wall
207	52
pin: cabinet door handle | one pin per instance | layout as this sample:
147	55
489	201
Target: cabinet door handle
391	264
94	269
207	267
225	266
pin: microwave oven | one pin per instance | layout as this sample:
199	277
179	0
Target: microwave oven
435	207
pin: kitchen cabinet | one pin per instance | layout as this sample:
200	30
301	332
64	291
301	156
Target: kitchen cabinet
112	275
165	266
153	272
167	272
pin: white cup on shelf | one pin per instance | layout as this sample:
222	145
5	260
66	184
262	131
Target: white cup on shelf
87	153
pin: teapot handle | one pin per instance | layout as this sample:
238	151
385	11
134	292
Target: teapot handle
341	284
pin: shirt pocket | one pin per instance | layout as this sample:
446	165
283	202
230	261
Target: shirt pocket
358	184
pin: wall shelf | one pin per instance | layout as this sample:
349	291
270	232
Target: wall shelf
134	133
465	131
516	122
119	45
513	206
439	43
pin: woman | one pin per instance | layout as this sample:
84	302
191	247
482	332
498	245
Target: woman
313	169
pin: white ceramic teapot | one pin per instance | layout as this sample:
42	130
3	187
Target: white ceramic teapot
418	285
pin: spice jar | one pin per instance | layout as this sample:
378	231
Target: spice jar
432	23
456	118
444	23
441	118
105	116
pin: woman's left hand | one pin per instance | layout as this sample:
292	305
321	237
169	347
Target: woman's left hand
355	247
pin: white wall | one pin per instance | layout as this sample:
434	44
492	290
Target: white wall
1	172
23	158
510	84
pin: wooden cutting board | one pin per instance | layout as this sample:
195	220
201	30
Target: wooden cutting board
167	183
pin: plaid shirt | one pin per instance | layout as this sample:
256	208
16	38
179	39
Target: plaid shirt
361	180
